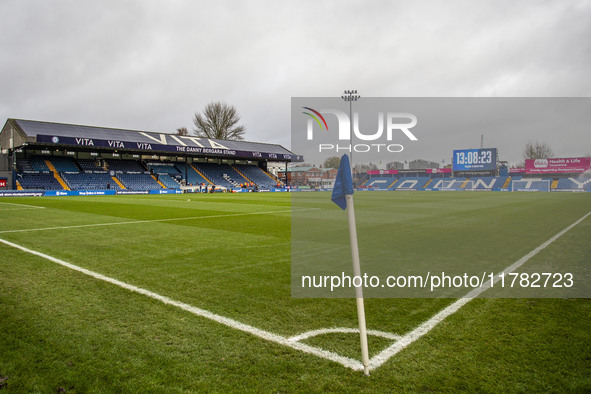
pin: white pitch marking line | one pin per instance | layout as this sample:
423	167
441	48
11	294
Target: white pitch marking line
22	206
427	326
20	209
151	221
266	335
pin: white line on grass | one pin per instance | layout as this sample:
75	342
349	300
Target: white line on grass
19	209
427	326
342	330
20	206
266	335
151	221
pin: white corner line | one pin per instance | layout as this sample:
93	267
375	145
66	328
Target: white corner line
266	335
342	330
379	359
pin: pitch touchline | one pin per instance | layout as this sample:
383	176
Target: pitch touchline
269	336
427	326
152	220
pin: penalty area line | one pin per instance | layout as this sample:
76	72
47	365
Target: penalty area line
266	335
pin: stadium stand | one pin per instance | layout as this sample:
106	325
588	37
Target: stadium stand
138	181
382	183
166	174
26	165
449	184
64	164
411	183
124	165
574	184
221	174
257	175
38	164
163	168
194	178
90	165
83	158
64	173
168	181
39	181
90	181
488	182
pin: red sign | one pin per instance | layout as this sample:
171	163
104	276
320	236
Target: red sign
438	170
2	182
557	166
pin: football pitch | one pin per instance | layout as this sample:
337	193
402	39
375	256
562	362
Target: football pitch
186	293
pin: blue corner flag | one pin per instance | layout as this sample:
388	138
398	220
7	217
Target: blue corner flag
343	184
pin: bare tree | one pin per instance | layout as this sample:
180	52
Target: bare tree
182	131
332	162
218	121
537	150
395	165
363	168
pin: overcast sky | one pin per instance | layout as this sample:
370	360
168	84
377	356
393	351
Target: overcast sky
150	65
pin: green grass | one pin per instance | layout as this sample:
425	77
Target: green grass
60	328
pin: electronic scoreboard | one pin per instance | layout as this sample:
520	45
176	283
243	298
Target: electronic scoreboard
475	159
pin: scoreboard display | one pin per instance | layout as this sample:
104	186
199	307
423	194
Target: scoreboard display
475	159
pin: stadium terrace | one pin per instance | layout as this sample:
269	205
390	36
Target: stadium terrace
64	159
55	159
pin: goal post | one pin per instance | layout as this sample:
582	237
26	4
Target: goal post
530	185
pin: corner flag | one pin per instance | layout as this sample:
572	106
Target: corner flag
343	184
342	195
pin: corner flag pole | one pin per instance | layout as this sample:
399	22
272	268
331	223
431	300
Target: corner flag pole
358	289
342	195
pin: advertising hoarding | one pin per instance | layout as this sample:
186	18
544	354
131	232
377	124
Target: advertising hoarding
557	165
